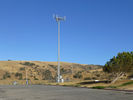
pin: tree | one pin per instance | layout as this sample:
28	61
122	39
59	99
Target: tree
119	65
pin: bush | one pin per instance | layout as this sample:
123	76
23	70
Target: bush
47	75
28	64
19	75
22	69
65	71
6	75
78	75
87	78
53	66
35	78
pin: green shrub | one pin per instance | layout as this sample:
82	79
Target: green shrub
65	71
6	75
62	70
78	75
87	78
28	64
19	75
22	69
35	78
47	75
53	66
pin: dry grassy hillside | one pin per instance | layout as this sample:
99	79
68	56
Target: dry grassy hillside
37	70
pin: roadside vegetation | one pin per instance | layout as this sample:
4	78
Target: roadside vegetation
120	65
115	74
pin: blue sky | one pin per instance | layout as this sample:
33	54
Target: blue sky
94	30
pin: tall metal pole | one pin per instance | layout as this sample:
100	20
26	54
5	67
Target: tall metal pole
26	76
58	51
72	72
58	19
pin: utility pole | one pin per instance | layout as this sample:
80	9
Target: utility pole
58	19
26	75
72	72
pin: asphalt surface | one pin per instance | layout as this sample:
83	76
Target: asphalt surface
43	92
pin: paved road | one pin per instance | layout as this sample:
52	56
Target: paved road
42	92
